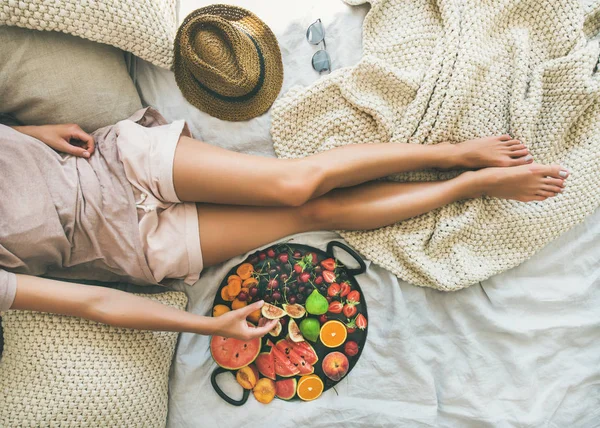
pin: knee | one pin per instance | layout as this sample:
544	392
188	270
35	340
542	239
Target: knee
298	184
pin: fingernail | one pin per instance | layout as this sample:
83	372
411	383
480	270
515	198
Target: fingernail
528	158
563	174
86	154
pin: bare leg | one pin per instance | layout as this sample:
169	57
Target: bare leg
205	173
227	231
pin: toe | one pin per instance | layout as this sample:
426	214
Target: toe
545	193
513	143
519	153
552	189
554	182
505	137
555	171
517	147
523	160
539	198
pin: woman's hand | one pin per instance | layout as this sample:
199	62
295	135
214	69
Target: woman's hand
234	324
70	139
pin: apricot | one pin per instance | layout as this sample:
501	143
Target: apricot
235	286
245	270
225	294
264	390
254	316
220	310
237	304
250	282
247	377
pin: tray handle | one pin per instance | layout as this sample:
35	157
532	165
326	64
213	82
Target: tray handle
362	266
213	380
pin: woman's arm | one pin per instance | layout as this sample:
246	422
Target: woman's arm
120	309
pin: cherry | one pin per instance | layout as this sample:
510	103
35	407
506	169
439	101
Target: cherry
242	296
292	300
273	283
271	253
300	298
301	289
262	256
253	291
283	258
276	295
323	319
284	277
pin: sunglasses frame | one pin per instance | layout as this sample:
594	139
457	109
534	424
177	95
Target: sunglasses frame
317	43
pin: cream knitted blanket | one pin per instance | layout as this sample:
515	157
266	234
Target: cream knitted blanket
453	70
145	28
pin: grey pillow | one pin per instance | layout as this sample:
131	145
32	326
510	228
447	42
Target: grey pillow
50	77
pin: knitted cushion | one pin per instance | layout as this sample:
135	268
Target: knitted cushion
446	70
145	28
66	371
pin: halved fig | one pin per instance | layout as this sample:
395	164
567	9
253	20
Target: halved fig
294	331
275	331
272	312
295	310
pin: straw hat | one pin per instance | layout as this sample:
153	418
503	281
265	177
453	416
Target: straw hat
227	62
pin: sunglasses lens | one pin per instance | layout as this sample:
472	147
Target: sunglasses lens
321	61
315	33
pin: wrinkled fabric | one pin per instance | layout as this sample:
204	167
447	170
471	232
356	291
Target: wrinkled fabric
68	217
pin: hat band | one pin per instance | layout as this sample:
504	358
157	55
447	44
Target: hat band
253	92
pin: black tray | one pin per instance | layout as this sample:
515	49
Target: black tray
345	274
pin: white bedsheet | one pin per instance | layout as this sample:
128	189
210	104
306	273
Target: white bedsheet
521	349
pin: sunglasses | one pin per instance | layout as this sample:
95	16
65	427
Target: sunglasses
315	34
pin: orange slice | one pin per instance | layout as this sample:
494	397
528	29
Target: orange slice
333	334
245	270
225	294
310	387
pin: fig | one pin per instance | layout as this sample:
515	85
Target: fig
271	312
294	331
295	311
316	304
275	331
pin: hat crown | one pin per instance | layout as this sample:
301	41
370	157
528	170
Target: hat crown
221	56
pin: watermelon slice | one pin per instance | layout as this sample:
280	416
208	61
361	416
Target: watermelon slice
265	362
304	367
304	350
283	366
285	388
233	354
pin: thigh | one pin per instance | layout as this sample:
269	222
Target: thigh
206	173
227	231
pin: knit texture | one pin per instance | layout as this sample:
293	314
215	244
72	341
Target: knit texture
454	70
145	28
66	371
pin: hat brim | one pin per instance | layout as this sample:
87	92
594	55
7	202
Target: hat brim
227	109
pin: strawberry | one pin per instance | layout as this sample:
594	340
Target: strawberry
329	276
361	321
304	277
345	289
283	258
319	280
349	310
351	327
335	307
271	253
297	268
329	264
333	290
314	258
353	297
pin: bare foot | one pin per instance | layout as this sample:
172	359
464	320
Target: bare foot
486	152
523	183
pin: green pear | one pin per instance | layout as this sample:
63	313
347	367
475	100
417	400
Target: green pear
316	304
310	328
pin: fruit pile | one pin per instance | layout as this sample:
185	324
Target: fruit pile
320	314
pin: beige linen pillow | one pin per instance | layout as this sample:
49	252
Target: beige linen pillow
66	371
50	77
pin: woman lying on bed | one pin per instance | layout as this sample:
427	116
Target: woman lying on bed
142	202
